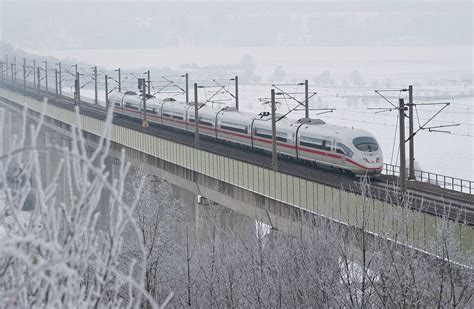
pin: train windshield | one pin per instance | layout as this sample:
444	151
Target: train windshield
343	149
366	143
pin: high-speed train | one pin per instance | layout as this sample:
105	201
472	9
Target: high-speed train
348	150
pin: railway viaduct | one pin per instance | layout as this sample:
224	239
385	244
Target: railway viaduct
246	183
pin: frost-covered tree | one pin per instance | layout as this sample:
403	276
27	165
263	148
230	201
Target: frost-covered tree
357	79
57	252
247	62
159	214
324	79
279	74
324	264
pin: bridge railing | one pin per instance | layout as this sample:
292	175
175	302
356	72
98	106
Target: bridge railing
443	181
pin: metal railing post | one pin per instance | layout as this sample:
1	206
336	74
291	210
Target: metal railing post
196	116
274	140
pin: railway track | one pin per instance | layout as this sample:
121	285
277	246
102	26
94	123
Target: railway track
424	197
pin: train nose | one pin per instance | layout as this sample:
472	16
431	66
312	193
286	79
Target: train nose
374	164
373	159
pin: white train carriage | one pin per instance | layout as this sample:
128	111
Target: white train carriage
337	147
153	110
173	114
130	104
118	99
314	143
285	135
360	151
206	123
234	126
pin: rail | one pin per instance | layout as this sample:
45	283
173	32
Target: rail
446	182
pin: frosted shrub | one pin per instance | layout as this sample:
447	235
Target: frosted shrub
56	252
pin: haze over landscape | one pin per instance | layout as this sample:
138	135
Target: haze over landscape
158	24
138	210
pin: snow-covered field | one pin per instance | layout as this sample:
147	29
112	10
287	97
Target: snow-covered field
436	72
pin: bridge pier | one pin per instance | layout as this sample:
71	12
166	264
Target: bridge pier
10	126
104	209
212	218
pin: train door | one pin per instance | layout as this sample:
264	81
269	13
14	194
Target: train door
186	118
161	112
328	144
340	153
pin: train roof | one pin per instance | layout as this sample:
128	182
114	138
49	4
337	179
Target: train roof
231	114
345	134
204	111
309	126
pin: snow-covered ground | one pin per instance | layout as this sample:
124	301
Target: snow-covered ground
431	69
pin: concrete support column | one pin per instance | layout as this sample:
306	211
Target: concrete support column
15	127
212	218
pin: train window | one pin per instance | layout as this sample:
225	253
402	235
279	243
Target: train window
262	133
128	105
315	143
205	121
166	113
327	145
344	150
178	116
234	127
280	136
151	110
191	120
312	140
365	143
